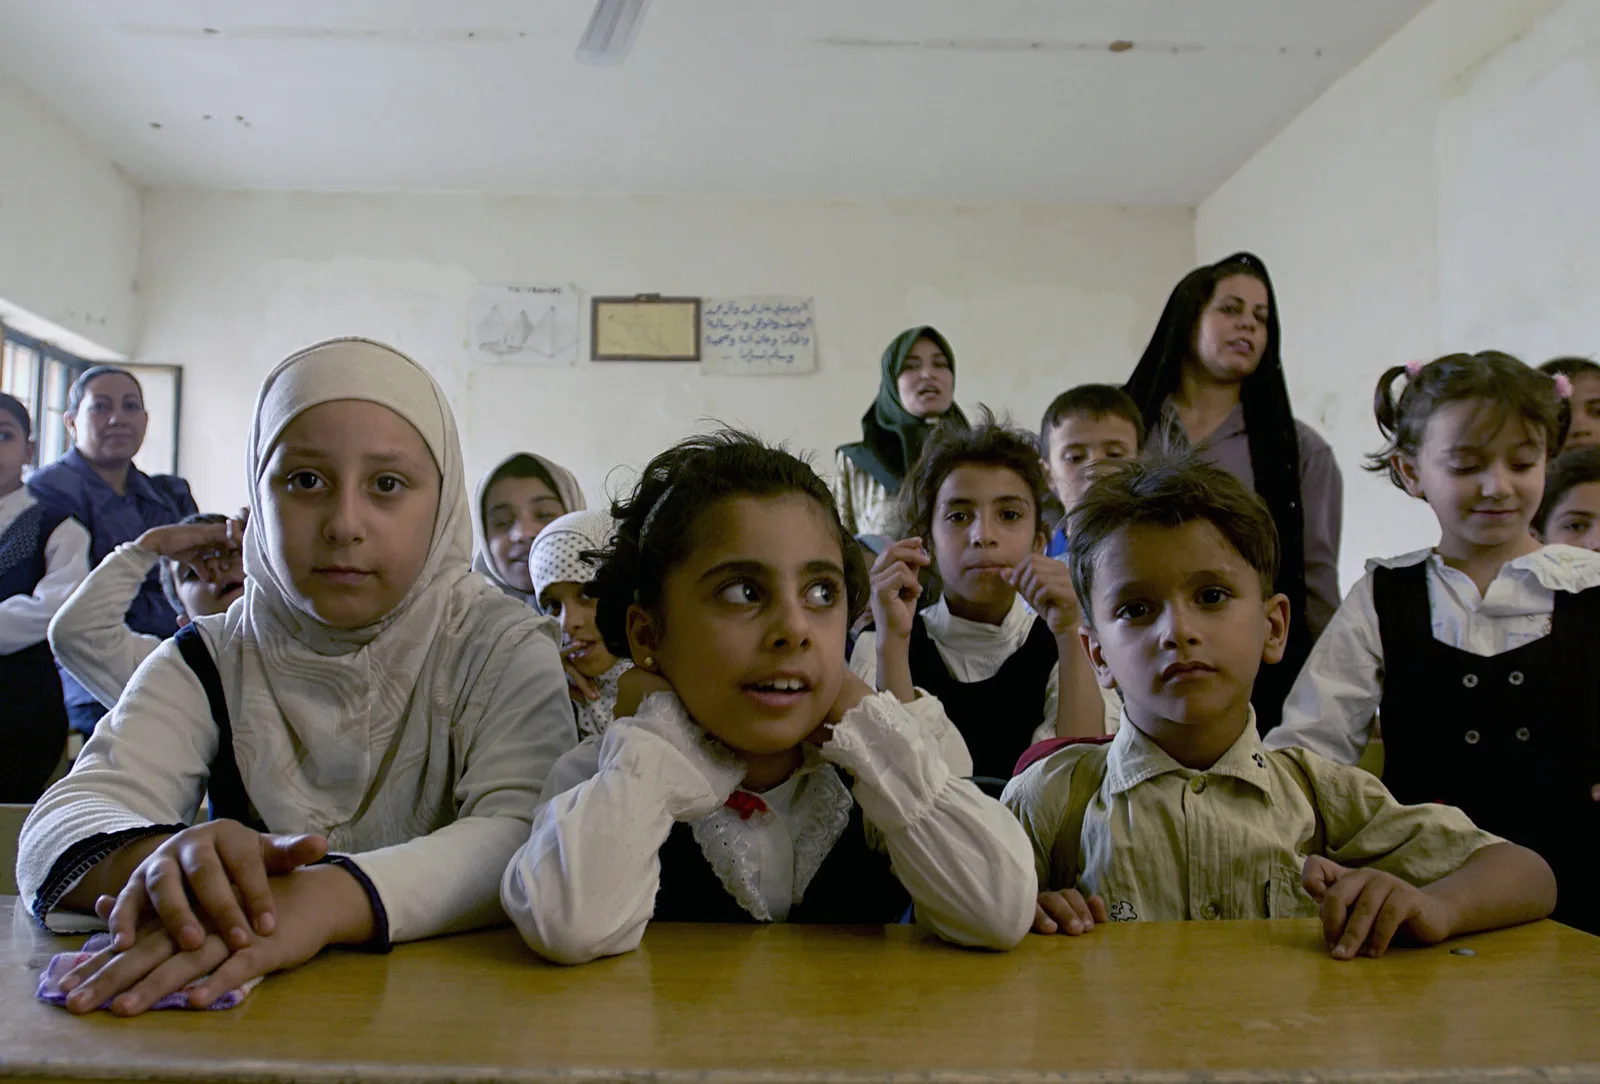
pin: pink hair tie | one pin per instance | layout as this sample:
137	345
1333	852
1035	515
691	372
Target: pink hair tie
1563	386
1413	368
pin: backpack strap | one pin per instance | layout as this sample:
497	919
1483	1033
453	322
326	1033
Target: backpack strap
1319	833
226	793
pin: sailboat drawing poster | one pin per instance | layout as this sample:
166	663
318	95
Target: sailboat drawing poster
524	325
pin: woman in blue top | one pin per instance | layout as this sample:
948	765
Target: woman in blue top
98	485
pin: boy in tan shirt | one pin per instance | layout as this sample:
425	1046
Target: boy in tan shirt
1185	815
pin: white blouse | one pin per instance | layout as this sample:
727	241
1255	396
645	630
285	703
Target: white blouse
974	651
90	637
25	619
584	885
1333	703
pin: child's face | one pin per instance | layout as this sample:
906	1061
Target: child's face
16	452
1585	431
985	523
926	383
581	644
202	598
751	627
1575	520
1180	626
1483	486
110	423
1231	334
350	494
515	510
1079	445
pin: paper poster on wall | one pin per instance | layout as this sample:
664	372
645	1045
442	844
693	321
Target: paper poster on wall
758	336
524	325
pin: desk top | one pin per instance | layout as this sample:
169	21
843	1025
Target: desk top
1174	1002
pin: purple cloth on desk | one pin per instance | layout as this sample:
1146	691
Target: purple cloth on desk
60	964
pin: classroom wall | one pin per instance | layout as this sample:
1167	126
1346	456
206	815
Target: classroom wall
1033	300
69	226
1439	197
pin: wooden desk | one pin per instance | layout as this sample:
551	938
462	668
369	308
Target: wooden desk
1175	1002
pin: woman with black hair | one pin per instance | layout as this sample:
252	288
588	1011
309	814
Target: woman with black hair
1212	380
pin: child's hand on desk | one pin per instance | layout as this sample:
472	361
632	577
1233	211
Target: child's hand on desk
1045	584
225	866
316	907
1068	912
1363	910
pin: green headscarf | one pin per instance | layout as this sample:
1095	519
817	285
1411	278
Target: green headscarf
891	436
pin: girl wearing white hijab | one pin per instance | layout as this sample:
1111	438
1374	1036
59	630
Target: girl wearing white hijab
516	501
371	697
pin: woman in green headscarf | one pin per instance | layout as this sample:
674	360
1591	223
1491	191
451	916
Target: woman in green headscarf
917	390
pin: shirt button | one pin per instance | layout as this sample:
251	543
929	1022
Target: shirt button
1472	737
1516	677
1198	784
1523	733
1210	910
1470	681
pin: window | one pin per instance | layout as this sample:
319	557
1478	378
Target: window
40	374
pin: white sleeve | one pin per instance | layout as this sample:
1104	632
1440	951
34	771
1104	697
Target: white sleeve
449	879
864	659
1330	709
960	854
145	767
584	884
25	619
89	636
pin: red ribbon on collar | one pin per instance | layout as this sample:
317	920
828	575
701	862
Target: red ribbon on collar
744	803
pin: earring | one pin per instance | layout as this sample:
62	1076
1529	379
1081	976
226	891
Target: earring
649	662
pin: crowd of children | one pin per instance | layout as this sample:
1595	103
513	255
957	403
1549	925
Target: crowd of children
1099	675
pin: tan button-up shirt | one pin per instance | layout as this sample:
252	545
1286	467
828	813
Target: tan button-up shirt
1163	842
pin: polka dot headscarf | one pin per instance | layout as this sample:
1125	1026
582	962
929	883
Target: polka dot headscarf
555	554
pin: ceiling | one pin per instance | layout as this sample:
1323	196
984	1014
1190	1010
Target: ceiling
916	99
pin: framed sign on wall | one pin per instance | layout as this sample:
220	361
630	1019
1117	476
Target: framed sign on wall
646	327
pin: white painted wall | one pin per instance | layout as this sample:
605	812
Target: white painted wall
1033	300
1410	210
69	226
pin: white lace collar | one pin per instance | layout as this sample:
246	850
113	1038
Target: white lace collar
818	815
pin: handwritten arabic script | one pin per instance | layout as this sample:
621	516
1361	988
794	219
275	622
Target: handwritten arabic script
758	336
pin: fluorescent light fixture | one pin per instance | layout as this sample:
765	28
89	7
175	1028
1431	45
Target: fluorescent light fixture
611	30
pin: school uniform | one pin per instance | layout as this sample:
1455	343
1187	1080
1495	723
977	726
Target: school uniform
1161	842
1490	702
650	821
999	684
44	553
416	745
113	518
88	635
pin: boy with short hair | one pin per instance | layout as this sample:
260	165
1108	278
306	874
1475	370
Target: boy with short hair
1083	428
1185	814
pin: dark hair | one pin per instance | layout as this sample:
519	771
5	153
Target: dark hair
1506	385
1269	427
18	410
1566	472
1169	491
169	577
1570	367
80	386
989	443
655	524
1091	401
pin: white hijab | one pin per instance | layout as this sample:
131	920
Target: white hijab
350	732
567	489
